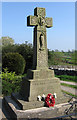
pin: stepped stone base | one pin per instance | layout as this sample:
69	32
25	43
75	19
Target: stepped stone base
39	82
25	105
16	113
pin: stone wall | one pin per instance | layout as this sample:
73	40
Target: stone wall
64	67
64	70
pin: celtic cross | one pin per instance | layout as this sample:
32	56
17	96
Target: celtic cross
40	55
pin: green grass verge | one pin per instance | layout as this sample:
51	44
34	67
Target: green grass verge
72	86
67	78
69	94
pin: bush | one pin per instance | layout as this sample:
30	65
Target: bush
14	62
26	50
10	82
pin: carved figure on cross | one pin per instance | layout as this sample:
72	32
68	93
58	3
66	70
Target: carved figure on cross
40	55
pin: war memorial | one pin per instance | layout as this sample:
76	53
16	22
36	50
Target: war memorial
40	81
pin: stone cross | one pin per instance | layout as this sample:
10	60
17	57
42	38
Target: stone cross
40	54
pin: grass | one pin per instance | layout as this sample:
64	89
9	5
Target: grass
67	78
72	86
69	94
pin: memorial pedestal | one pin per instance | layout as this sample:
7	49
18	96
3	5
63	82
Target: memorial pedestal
38	82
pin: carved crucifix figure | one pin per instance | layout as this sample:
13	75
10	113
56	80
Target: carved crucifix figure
41	42
40	55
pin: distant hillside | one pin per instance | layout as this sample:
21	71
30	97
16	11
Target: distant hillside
62	58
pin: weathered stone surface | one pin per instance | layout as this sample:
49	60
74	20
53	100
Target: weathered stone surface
40	56
40	80
53	113
41	86
40	74
25	105
39	12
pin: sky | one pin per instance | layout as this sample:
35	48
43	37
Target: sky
61	36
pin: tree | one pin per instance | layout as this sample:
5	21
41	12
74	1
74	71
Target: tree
0	54
53	58
14	62
6	41
26	50
62	51
74	57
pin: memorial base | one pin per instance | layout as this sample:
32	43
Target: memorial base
39	82
53	113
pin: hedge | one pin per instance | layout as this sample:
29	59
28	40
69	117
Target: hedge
14	62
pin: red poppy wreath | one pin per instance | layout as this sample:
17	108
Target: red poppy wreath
50	100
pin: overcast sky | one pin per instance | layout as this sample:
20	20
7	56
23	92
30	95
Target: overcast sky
61	36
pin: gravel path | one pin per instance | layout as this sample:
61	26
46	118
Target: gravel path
69	89
70	83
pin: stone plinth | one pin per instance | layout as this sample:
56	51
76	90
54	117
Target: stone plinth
38	82
53	113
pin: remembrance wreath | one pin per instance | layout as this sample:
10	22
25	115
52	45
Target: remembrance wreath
50	100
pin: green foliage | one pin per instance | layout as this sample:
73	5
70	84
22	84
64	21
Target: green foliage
69	94
26	50
67	85
62	58
74	58
10	82
14	62
67	78
8	48
6	41
0	54
54	58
